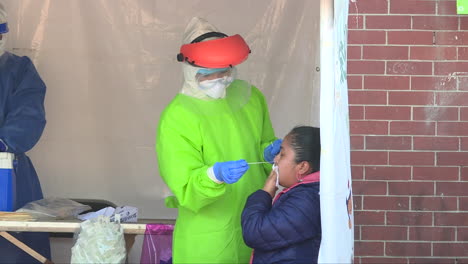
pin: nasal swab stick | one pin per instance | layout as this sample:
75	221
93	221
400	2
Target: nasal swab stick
257	162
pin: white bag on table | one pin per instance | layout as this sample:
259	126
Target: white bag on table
100	241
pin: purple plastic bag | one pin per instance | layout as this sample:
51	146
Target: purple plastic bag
157	244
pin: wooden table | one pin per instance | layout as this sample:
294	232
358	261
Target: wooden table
69	226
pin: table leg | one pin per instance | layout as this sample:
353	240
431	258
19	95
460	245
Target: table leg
25	247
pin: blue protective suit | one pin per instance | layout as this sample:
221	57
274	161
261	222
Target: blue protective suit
22	120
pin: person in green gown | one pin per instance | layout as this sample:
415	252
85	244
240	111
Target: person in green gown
206	137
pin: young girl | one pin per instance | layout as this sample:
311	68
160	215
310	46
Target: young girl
288	228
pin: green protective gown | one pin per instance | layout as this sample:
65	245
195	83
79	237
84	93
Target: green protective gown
193	135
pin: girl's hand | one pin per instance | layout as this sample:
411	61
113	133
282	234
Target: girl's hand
270	184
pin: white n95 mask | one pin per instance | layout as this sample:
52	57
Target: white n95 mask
216	88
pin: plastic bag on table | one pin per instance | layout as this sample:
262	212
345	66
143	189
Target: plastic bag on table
55	208
157	244
100	241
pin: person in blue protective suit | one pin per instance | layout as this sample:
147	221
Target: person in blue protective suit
22	120
287	229
206	137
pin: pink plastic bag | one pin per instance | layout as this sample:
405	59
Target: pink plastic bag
157	244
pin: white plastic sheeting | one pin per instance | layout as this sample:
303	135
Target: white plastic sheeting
336	201
110	68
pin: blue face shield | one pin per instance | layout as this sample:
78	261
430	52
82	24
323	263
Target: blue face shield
3	28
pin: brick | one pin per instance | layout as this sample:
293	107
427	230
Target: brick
435	143
387	112
446	7
386	82
354	52
452	98
435	22
357	172
388	22
434	203
451	249
464	143
384	233
357	203
452	128
368	248
410	37
432	261
452	159
368	37
367	97
354	82
357	142
451	38
369	157
407	249
431	233
462	83
356	112
435	113
463	204
366	67
464	174
452	188
462	234
409	68
394	203
369	127
451	68
433	53
462	53
410	98
355	22
411	188
412	7
369	7
387	173
369	218
369	188
433	83
411	158
383	260
385	52
435	173
463	114
463	22
450	219
412	128
388	143
409	218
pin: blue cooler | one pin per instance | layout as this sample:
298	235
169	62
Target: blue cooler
7	182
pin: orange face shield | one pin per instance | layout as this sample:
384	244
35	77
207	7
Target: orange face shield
217	53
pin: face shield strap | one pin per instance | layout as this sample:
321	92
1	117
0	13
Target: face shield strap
209	35
3	28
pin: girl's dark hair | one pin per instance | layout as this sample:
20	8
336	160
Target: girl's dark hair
305	141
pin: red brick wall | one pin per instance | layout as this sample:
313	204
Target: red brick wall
408	96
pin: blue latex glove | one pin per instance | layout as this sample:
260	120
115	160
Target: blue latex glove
230	171
272	150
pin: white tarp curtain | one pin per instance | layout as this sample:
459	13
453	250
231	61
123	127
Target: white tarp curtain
110	68
335	181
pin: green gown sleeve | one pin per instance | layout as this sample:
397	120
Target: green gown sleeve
179	151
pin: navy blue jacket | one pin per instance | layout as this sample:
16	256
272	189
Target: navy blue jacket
289	231
22	120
